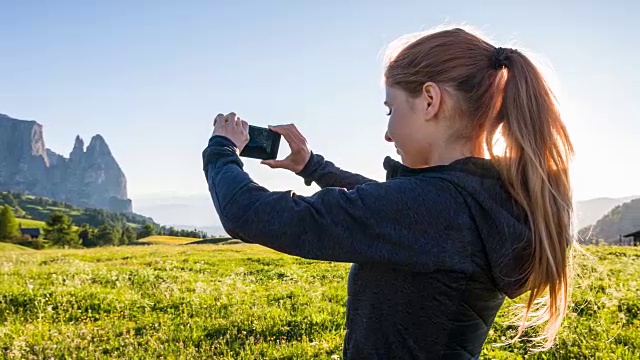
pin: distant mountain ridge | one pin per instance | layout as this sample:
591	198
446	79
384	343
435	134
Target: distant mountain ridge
184	210
621	220
213	230
590	211
88	178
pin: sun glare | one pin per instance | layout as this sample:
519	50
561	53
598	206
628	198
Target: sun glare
499	144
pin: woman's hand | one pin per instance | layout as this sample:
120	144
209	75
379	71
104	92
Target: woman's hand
234	128
300	152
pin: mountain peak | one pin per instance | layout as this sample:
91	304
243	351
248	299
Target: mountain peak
6	118
78	148
98	146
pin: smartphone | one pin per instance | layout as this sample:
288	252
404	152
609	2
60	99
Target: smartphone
263	144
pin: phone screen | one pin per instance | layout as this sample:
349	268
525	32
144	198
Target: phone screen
263	144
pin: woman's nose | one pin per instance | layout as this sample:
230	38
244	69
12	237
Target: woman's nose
387	137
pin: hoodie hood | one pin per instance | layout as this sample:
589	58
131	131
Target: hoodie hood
500	221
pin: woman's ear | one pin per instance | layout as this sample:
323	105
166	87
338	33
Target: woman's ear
432	96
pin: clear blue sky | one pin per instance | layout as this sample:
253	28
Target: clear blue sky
151	75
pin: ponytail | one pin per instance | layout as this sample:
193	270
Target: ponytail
535	168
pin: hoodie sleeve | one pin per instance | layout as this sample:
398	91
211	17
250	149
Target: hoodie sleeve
385	222
326	174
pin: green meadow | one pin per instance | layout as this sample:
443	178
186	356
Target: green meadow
29	223
248	302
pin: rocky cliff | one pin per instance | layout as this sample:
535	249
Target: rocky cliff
88	178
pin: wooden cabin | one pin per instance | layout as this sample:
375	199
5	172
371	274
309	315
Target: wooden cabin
635	236
33	233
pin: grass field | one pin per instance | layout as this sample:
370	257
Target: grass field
28	223
166	240
6	247
247	302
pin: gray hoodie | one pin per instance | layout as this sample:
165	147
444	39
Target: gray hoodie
434	250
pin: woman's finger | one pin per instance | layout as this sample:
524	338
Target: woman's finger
230	118
295	129
276	128
296	134
289	135
284	131
245	126
218	119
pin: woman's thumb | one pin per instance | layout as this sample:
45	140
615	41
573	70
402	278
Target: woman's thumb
274	164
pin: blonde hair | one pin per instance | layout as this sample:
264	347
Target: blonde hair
509	98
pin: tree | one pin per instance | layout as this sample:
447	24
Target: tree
128	235
146	231
59	231
87	236
172	231
106	235
8	224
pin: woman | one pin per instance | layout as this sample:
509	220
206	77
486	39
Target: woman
451	232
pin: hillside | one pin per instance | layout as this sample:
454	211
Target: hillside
6	247
621	220
590	211
38	208
30	223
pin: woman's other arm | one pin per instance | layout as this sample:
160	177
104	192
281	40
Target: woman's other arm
312	167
